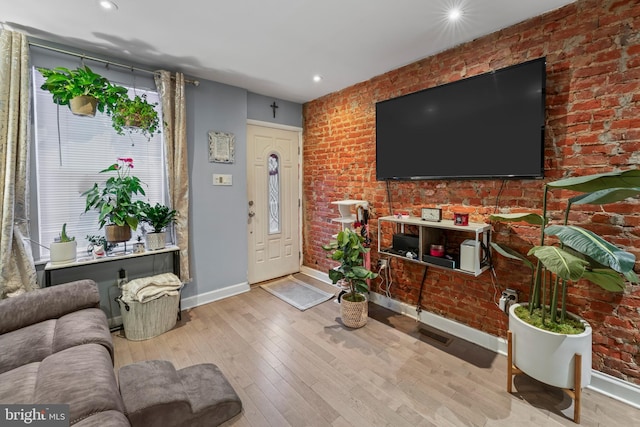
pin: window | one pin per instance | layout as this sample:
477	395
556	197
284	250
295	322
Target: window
70	151
274	194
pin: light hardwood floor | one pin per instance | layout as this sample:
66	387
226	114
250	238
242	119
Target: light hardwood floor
294	368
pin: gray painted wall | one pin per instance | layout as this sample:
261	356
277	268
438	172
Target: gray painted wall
218	216
287	113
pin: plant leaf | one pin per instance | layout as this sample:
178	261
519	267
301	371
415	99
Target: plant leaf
560	262
602	181
606	196
531	218
631	276
508	252
606	278
594	246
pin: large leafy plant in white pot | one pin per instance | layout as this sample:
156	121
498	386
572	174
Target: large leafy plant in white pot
541	329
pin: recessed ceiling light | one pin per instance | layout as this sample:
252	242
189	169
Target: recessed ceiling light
108	5
317	78
455	14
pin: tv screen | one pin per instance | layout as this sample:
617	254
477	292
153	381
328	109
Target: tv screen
486	126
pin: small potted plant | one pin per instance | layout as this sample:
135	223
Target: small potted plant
81	89
117	211
64	248
137	114
348	250
158	216
138	246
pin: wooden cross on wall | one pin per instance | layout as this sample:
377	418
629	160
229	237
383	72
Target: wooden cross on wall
273	107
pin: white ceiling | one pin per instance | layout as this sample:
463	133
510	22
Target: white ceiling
270	47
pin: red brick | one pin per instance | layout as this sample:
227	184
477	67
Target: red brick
593	126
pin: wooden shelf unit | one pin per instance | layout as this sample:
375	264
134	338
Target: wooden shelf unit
426	236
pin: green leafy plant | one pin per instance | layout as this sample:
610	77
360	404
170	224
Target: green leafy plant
65	84
348	250
95	240
157	216
114	200
137	114
575	253
63	235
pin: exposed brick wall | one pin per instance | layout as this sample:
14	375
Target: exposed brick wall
593	125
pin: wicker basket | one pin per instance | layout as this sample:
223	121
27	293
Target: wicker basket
142	321
354	314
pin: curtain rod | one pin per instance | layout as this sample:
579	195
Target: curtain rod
105	61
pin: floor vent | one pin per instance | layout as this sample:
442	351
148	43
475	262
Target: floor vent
436	336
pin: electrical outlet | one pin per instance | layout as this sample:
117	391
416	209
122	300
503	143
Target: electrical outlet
122	277
383	263
510	295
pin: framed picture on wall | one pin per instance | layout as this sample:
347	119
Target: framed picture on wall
221	147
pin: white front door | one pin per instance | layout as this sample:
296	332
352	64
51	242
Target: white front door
273	210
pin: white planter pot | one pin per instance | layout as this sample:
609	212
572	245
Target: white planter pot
155	240
549	357
63	252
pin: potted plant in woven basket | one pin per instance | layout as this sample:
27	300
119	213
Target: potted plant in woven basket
117	211
82	90
348	249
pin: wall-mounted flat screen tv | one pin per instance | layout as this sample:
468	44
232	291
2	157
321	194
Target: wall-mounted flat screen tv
481	127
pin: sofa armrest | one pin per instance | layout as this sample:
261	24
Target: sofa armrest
47	303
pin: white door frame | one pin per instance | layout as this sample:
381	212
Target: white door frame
300	142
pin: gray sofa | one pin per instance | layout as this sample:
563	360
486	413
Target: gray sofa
57	348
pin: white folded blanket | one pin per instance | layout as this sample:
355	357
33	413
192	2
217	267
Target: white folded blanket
149	288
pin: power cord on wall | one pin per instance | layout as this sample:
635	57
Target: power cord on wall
384	274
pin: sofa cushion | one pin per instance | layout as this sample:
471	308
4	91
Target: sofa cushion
17	386
47	303
29	344
83	327
81	376
105	419
35	342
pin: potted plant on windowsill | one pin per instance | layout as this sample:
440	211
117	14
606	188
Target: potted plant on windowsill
348	250
117	211
64	249
573	254
135	115
81	89
158	216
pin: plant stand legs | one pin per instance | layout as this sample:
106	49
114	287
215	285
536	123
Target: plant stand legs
575	393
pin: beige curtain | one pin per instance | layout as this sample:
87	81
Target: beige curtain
17	269
171	91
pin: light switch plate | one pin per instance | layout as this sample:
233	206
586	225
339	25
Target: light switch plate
222	179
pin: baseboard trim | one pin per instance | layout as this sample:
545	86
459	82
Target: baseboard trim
218	294
608	385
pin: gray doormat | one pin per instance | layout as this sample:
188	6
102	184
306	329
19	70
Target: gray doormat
297	293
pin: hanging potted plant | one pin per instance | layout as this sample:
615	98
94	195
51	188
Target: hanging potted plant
348	249
135	115
81	89
64	248
545	336
158	217
117	211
